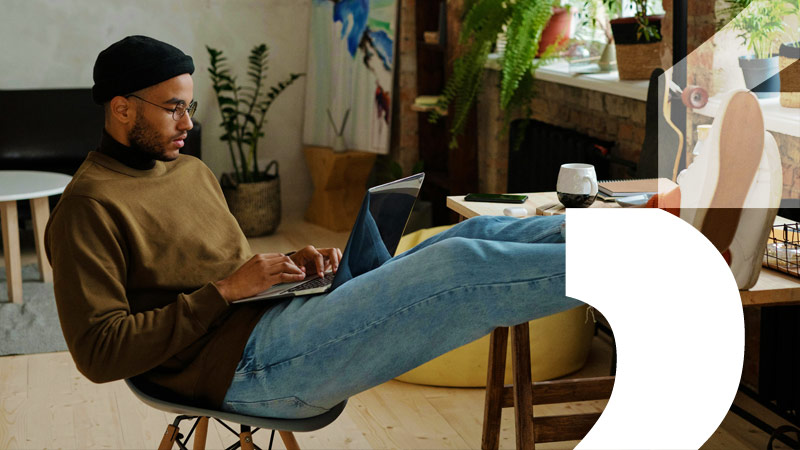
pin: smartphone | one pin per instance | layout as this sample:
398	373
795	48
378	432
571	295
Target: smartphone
496	198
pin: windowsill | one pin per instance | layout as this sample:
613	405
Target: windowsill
609	83
778	119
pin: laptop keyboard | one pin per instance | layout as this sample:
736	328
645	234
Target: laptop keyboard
315	283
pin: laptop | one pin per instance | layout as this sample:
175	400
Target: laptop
373	240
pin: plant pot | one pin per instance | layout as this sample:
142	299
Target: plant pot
556	31
761	75
790	75
636	58
256	206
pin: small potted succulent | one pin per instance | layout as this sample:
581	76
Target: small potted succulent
253	195
637	39
759	24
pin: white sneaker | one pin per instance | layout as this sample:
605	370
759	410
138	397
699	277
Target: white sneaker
732	190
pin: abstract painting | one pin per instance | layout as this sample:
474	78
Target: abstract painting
350	74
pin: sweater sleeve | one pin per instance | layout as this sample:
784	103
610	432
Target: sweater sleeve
107	341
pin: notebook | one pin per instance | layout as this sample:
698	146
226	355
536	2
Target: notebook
626	188
375	236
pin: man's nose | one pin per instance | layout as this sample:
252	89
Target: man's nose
185	124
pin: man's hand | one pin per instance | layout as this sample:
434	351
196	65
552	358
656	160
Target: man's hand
258	274
317	259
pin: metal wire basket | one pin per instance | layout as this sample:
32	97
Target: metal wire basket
783	249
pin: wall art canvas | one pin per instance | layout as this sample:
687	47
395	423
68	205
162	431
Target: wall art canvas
350	74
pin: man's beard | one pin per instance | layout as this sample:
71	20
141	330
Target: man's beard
145	140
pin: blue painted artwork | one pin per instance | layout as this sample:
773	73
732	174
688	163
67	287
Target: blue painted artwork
353	16
350	73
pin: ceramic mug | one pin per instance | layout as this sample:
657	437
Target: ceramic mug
577	185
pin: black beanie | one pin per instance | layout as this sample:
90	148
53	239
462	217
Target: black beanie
134	63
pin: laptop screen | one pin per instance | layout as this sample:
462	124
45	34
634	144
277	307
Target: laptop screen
390	206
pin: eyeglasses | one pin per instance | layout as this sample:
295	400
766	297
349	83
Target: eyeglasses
177	112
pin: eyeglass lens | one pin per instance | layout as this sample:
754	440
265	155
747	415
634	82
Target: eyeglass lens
182	109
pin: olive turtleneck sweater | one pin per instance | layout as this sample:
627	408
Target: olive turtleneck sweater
136	246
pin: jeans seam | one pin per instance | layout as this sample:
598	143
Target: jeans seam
293	397
386	318
552	231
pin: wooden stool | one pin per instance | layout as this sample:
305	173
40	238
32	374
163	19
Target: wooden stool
524	394
340	182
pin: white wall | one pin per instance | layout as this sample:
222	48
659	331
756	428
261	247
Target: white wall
54	43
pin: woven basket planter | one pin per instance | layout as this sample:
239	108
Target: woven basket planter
790	76
636	59
256	206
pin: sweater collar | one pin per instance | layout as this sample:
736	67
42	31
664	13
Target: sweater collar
132	157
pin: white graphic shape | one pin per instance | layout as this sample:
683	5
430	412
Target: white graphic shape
677	319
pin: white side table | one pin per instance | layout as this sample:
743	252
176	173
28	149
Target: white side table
36	187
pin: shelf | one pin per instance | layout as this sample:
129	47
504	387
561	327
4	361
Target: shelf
608	82
427	106
418	108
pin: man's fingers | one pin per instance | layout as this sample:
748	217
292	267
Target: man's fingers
289	277
283	266
320	262
338	259
332	256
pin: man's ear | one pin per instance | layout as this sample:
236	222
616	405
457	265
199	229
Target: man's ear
121	109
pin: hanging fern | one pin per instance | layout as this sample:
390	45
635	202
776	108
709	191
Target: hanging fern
523	34
523	21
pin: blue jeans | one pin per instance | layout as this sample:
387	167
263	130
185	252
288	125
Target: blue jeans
309	353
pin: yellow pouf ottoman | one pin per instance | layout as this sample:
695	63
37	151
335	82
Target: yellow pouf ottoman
559	345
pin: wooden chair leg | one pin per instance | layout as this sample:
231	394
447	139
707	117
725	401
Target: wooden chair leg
523	394
493	407
289	440
246	439
168	440
200	434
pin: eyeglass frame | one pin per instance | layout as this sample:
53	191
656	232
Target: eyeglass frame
191	108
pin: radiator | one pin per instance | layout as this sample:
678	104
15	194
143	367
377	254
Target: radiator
533	167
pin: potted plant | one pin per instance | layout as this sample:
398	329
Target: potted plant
591	16
789	55
522	22
759	25
253	195
556	32
637	39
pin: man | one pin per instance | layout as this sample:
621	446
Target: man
147	260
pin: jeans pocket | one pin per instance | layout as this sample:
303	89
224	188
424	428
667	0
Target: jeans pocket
290	407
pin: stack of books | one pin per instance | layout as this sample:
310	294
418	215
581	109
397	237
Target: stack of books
610	191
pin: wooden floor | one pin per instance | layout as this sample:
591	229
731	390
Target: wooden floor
46	403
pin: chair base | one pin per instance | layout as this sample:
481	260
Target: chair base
173	436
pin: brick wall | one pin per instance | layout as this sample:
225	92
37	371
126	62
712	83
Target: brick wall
596	114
